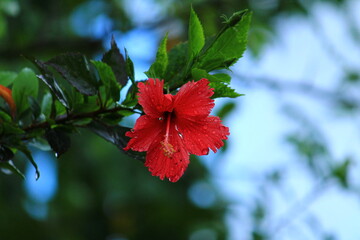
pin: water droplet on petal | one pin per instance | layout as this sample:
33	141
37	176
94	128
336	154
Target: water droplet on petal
205	151
161	118
180	135
132	130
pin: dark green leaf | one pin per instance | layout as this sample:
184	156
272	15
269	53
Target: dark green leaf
229	45
115	135
47	77
196	35
158	68
7	78
58	140
108	79
10	129
35	107
5	154
112	118
76	69
116	61
9	165
25	85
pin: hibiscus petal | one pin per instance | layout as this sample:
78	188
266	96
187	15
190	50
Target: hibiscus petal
164	166
152	98
144	133
199	136
193	100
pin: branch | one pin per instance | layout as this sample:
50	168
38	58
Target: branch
71	117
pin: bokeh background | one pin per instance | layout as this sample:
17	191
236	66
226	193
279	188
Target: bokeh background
290	169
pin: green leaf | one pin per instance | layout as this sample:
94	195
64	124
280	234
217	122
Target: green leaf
25	85
158	68
5	116
75	68
341	172
3	25
27	153
35	107
58	140
9	128
108	79
11	168
131	96
115	135
196	35
217	81
7	78
177	58
116	61
47	77
130	67
228	46
46	104
226	109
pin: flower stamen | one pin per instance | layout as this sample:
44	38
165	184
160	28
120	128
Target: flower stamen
167	147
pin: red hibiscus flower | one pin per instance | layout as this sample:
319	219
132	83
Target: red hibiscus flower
175	126
6	94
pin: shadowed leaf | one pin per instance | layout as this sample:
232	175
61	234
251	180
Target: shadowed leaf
76	69
58	140
116	61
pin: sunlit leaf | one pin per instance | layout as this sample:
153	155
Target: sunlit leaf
228	46
219	82
158	68
196	34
